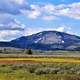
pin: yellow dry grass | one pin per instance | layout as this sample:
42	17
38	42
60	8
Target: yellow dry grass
44	59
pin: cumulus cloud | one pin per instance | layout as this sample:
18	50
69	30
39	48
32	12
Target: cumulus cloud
13	6
9	35
61	29
49	18
7	22
64	28
33	13
10	28
49	8
70	10
20	2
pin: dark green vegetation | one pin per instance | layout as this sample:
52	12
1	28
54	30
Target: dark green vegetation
28	51
54	71
9	50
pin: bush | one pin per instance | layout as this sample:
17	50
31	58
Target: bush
40	71
31	68
54	70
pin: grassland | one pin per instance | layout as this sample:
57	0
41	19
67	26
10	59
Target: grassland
62	65
38	71
38	58
39	67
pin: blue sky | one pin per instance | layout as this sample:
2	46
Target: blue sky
25	17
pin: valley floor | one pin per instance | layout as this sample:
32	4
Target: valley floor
39	67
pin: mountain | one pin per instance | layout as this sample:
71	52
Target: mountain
46	40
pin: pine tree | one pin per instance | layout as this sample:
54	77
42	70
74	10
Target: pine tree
29	51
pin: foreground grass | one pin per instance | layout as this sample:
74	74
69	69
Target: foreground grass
28	72
27	76
47	67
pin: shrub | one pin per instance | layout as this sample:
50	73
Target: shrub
40	71
31	68
54	70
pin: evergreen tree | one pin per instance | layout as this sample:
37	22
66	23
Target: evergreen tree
29	51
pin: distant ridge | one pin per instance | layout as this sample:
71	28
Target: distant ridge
46	40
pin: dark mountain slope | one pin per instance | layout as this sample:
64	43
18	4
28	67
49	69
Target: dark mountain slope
48	40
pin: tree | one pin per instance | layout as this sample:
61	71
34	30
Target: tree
29	51
5	51
0	51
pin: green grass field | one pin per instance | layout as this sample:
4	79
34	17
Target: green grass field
39	67
29	71
60	66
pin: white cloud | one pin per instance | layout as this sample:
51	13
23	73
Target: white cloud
61	6
16	7
61	29
69	10
9	35
64	28
33	13
19	1
10	28
7	22
49	18
13	7
75	5
49	8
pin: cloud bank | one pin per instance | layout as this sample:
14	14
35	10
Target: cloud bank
11	28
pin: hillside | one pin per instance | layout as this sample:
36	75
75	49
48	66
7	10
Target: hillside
46	40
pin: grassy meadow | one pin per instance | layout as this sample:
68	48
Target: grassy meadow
17	64
40	71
